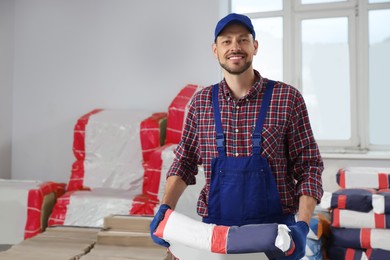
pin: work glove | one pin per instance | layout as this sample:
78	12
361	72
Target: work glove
155	222
299	233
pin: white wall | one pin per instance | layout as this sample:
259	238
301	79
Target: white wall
6	77
72	56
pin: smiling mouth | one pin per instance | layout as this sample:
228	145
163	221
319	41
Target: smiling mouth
236	56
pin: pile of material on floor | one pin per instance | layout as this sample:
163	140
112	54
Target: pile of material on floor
360	227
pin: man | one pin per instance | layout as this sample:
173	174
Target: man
254	139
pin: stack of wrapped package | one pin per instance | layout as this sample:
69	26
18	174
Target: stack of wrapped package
110	148
25	208
160	160
360	227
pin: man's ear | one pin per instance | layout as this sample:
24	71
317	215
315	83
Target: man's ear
214	48
256	46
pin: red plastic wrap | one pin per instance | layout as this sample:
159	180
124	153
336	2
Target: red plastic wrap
177	113
35	201
116	126
79	134
58	214
150	134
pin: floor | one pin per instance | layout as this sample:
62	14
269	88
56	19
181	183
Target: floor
4	247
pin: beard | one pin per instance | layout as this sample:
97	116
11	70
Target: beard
236	71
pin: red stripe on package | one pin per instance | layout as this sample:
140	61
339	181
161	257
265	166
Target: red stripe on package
365	237
342	201
35	203
383	180
160	229
79	134
57	217
380	220
150	134
342	178
177	113
77	176
143	206
219	239
336	218
350	254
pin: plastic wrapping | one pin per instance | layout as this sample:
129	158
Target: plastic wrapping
344	218
177	112
364	238
178	228
88	208
381	202
24	208
364	177
111	146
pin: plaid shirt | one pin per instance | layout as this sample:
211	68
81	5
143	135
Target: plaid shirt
288	143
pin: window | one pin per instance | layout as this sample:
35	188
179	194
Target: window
337	53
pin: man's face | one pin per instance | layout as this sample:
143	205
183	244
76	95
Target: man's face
235	48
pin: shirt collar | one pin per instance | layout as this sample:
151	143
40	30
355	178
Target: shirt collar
255	89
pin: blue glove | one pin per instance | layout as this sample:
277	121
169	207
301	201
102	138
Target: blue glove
299	233
155	222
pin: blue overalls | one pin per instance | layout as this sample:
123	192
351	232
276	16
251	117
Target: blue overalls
243	189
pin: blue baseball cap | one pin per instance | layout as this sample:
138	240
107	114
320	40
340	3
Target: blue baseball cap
234	18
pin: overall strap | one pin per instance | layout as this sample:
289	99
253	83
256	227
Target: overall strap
218	124
256	139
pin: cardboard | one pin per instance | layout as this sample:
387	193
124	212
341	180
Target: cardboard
121	238
107	252
127	223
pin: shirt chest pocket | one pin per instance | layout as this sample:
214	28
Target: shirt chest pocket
272	141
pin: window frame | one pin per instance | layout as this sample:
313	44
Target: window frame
357	12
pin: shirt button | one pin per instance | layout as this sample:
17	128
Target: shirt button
236	154
236	130
237	107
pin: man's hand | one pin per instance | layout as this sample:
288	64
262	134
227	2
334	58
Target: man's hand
155	222
299	233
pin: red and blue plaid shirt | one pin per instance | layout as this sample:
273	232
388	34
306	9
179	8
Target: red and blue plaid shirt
288	143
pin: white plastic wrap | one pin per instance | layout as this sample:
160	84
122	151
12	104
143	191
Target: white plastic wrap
88	208
114	135
113	156
119	175
13	208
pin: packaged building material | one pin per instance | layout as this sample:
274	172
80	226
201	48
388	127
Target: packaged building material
177	112
156	170
110	147
89	208
364	177
364	238
25	208
275	240
344	218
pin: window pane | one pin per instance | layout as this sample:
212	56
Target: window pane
269	58
252	6
378	1
379	64
325	77
320	1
